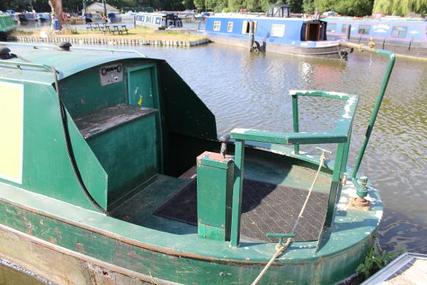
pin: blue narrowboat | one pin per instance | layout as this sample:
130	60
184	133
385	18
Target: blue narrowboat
158	20
285	35
385	31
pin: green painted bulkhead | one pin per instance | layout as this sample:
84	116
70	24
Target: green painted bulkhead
111	139
121	134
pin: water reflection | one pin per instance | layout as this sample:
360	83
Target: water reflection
250	91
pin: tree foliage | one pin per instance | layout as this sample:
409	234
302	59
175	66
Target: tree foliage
308	6
345	7
400	7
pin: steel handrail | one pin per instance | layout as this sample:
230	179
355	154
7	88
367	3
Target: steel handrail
391	61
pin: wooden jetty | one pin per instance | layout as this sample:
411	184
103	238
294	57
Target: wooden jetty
408	268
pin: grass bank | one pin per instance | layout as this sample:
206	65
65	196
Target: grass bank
134	36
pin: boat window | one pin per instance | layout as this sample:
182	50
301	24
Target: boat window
331	28
217	26
399	32
229	27
344	28
277	30
245	27
364	29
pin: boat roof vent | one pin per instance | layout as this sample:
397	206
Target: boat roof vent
6	54
65	46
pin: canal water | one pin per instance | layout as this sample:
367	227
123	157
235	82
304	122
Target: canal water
251	91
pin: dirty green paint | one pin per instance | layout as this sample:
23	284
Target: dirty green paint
336	260
214	189
142	88
91	95
143	91
93	173
295	120
236	210
6	24
128	160
43	172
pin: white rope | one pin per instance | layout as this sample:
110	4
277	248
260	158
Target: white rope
322	159
280	248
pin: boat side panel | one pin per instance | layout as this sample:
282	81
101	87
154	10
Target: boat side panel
47	168
264	28
82	93
380	29
324	270
93	174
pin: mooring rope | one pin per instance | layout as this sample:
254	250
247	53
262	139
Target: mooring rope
280	248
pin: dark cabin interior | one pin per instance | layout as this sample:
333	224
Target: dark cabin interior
314	31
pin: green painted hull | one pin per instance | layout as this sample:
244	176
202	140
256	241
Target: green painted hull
184	259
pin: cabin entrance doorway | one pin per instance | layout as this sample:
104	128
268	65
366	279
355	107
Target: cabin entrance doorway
143	93
313	31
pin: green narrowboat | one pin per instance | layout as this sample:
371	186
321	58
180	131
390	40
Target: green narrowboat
112	172
7	24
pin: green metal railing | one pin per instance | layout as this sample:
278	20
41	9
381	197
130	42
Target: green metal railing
391	61
340	135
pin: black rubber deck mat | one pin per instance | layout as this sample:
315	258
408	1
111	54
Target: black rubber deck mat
265	208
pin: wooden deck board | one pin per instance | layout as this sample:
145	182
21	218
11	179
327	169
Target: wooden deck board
104	119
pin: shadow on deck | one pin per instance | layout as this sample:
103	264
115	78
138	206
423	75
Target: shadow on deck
170	204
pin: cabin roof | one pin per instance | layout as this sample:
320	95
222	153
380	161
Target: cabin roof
243	16
66	63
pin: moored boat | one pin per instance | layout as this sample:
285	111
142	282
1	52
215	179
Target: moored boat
383	32
113	171
44	17
158	20
276	32
25	17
